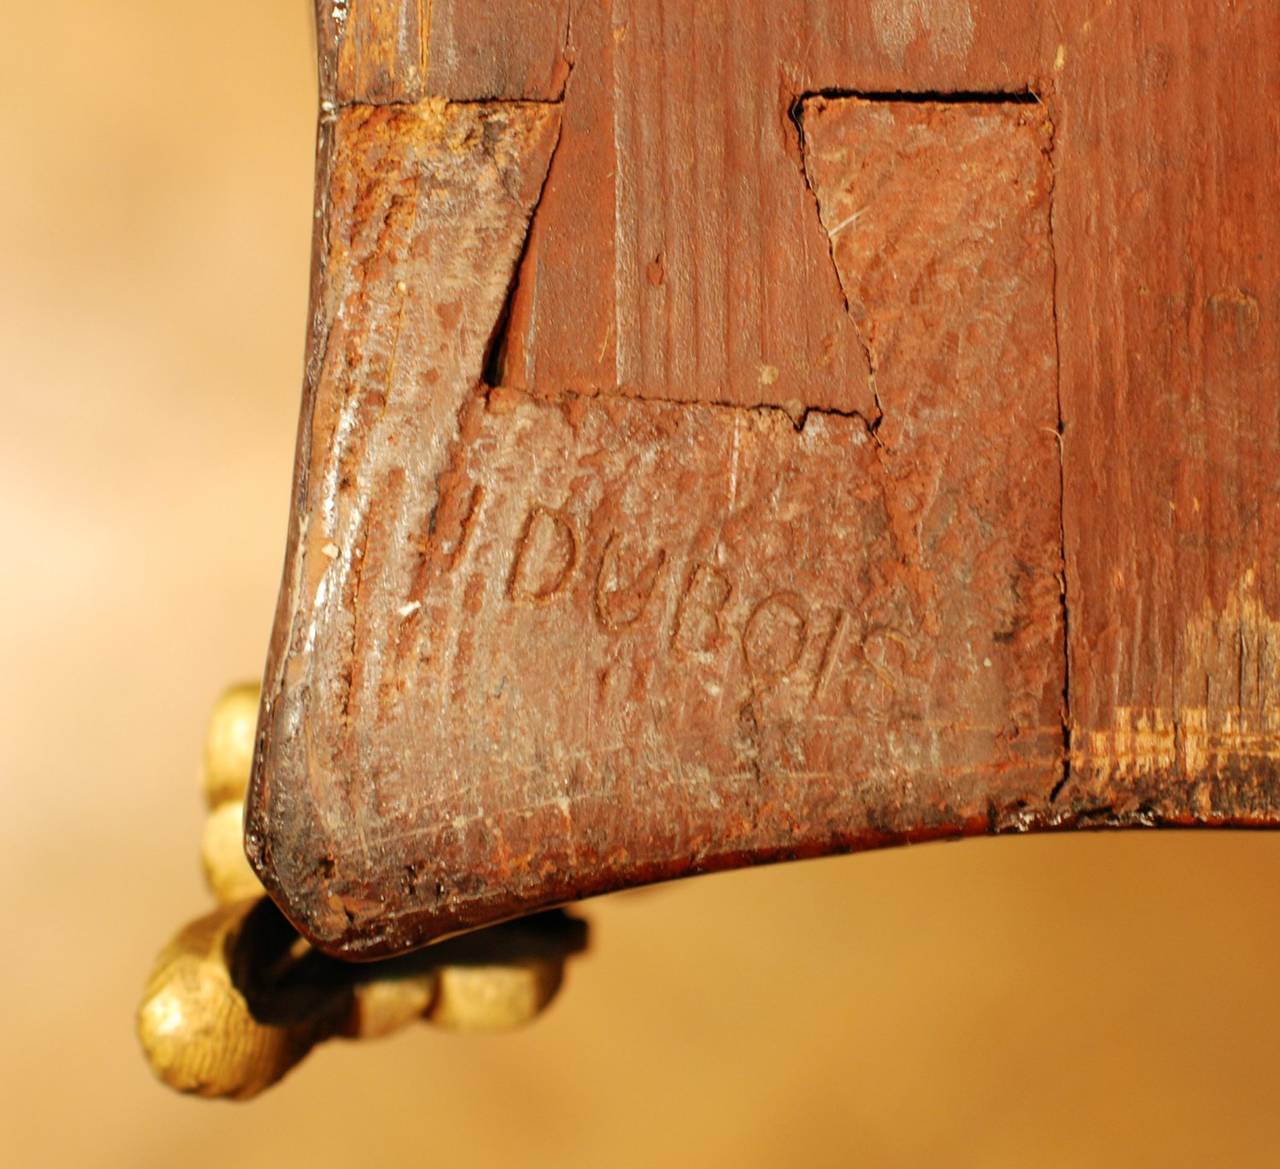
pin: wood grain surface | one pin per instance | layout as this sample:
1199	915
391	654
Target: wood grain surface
738	432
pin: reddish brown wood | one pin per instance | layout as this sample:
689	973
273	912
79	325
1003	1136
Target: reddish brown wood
701	398
1169	241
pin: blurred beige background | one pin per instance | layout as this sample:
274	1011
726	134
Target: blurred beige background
1097	1001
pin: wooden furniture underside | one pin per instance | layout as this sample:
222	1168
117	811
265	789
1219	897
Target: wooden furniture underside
742	431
